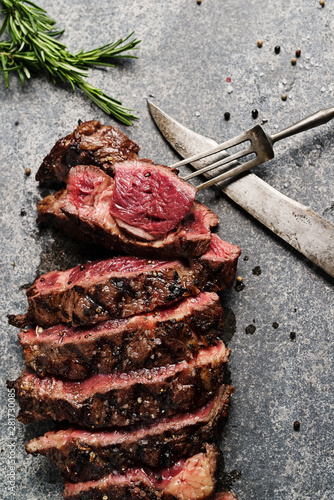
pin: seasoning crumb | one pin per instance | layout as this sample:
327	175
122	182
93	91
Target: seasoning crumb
27	171
239	279
13	264
259	43
255	113
292	335
16	123
246	257
139	400
296	426
104	497
227	116
293	61
277	49
148	174
322	3
23	213
199	2
275	325
284	97
298	52
82	267
257	270
250	329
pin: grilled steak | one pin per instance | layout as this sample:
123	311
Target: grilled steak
90	144
161	338
88	218
150	199
87	455
123	399
124	286
191	479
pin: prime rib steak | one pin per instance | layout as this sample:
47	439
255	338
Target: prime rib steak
88	455
90	144
83	211
191	479
124	286
165	336
122	399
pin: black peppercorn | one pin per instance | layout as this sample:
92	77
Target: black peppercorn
255	113
227	116
277	49
292	335
296	425
298	52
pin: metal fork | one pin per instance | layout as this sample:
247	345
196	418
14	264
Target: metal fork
261	145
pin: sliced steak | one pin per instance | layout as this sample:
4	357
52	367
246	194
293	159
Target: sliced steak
84	456
167	336
191	479
124	286
90	144
150	199
123	399
83	211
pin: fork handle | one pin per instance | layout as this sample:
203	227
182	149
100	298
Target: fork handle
319	118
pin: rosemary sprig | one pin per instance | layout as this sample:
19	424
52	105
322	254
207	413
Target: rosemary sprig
35	47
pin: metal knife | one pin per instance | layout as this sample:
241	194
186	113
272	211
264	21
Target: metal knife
298	225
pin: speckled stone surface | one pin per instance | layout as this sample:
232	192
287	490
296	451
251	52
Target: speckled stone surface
188	52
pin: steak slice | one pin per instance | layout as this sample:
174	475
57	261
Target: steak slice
90	144
191	479
88	455
87	208
123	399
150	199
167	336
124	286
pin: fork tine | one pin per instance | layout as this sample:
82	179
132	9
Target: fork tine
224	161
231	173
217	149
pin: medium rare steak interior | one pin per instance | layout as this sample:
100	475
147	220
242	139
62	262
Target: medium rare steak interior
191	479
123	399
124	286
87	455
165	336
90	144
150	199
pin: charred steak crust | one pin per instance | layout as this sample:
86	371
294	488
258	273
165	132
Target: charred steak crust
94	223
123	399
193	479
143	341
85	456
90	144
93	297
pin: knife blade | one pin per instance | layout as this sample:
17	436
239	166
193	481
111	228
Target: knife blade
297	224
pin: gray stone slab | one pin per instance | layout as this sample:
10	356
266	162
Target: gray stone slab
188	52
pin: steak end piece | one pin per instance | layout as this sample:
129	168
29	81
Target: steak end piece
89	455
90	144
191	479
83	211
124	286
165	336
123	399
